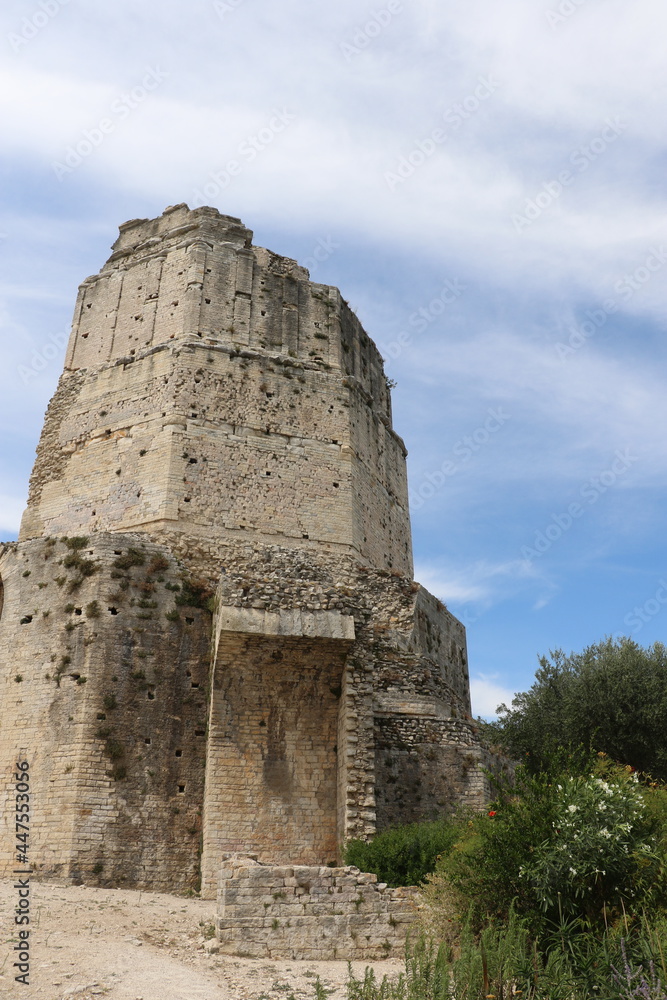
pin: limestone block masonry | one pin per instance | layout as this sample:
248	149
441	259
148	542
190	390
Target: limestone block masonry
310	913
210	637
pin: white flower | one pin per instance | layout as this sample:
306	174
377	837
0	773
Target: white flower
573	870
573	809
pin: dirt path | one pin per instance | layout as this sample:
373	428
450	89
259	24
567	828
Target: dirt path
129	945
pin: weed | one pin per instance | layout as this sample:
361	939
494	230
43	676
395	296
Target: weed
134	557
195	594
157	564
76	543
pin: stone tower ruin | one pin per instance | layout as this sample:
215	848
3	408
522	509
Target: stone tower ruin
210	637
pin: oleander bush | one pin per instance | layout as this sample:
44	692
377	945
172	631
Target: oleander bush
556	892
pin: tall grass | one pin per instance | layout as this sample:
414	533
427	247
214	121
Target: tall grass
503	962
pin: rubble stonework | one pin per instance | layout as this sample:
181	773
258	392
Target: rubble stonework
210	637
310	913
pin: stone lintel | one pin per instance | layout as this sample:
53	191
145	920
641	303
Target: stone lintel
301	624
395	703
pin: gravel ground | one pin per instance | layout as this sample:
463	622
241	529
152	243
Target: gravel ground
128	945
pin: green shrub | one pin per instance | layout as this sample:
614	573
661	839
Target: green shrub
78	542
404	855
611	697
560	848
157	564
195	594
134	557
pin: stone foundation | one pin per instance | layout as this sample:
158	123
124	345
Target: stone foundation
302	912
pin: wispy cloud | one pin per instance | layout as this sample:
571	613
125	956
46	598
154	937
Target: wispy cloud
487	693
556	86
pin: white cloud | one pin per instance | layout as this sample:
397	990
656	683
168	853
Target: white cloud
482	581
11	511
486	694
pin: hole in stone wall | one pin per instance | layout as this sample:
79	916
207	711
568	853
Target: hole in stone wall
200	732
194	685
26	620
113	611
179	753
147	741
189	621
150	696
101	716
77	611
181	788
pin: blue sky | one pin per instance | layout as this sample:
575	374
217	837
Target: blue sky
485	184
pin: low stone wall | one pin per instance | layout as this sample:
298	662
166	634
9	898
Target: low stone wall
304	912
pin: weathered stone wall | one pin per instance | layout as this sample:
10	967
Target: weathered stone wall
310	913
225	395
377	678
105	690
222	422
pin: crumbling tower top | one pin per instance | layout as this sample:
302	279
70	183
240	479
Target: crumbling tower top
212	392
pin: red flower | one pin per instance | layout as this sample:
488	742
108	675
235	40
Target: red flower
492	813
